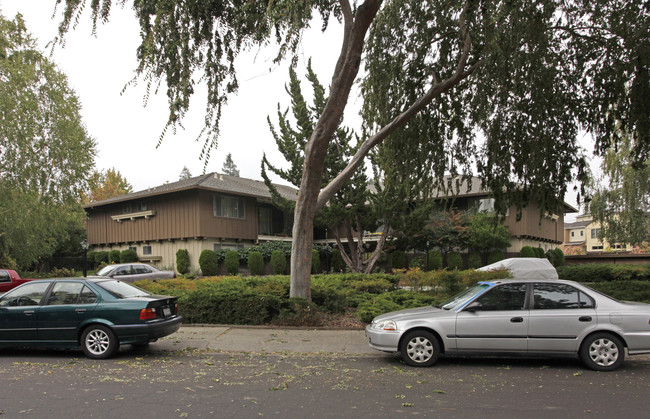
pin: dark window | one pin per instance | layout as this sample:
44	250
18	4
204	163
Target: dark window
229	207
4	276
146	250
65	293
27	295
87	296
559	296
504	297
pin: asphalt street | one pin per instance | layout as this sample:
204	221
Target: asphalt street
258	372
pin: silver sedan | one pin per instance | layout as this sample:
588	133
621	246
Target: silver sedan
536	317
134	271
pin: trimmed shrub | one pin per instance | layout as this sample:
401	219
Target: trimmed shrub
62	273
337	261
527	252
232	262
128	256
398	259
182	261
495	256
101	257
435	260
391	301
209	262
539	252
315	261
256	263
278	262
559	257
454	261
474	260
114	256
638	291
450	281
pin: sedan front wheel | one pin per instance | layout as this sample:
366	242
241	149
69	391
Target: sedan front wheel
602	352
420	348
99	342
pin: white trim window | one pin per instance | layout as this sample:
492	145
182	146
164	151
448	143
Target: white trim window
229	206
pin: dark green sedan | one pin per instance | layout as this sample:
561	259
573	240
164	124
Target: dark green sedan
98	314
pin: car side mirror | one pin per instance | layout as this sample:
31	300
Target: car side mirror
474	306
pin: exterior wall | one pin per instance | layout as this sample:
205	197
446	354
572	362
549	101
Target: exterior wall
530	227
226	228
163	253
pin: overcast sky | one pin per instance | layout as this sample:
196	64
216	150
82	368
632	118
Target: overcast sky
127	132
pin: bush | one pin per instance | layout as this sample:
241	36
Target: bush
62	273
450	281
256	263
299	312
638	291
182	261
337	261
597	272
392	301
398	259
315	261
417	262
559	257
7	262
539	253
101	257
209	262
232	262
278	262
128	256
114	256
495	256
435	260
527	252
474	260
454	260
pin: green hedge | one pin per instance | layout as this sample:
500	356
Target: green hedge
638	291
598	272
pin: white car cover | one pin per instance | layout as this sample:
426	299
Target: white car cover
525	268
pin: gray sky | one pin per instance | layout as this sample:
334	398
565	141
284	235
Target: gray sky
127	132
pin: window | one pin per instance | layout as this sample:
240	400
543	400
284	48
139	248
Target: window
595	233
229	207
141	269
27	295
573	233
504	297
140	206
146	250
582	233
559	296
65	293
596	247
4	276
123	270
265	216
135	249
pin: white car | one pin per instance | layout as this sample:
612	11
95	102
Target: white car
532	314
134	271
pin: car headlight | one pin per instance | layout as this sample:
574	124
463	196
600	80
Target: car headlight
385	325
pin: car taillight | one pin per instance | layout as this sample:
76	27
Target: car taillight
147	314
176	308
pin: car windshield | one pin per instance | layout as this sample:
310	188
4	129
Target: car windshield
105	270
459	299
122	289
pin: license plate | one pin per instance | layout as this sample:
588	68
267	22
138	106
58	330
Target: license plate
167	311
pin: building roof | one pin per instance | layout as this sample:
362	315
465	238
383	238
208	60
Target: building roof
577	224
216	182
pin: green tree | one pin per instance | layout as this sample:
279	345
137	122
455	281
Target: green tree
185	174
621	203
526	75
229	166
106	184
46	152
486	233
182	261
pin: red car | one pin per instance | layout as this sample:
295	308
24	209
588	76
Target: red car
10	279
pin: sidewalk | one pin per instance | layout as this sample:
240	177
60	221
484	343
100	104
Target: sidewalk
210	338
266	340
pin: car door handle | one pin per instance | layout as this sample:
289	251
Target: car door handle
80	310
28	312
585	319
517	320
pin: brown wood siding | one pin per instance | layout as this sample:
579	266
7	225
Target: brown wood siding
176	217
226	228
529	226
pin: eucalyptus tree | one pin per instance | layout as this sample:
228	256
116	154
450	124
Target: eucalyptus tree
525	75
621	202
46	152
